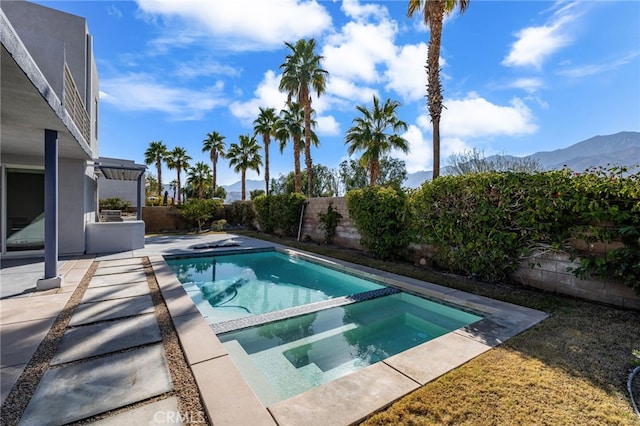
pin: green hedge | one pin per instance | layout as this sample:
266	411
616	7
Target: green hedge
240	213
279	214
484	224
381	214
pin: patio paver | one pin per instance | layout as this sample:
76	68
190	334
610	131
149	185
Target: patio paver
87	313
97	339
123	278
115	292
80	390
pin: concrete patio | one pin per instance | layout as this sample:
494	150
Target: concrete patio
110	358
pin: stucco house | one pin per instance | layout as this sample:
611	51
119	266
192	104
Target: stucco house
49	117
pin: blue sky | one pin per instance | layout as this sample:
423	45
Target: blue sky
518	76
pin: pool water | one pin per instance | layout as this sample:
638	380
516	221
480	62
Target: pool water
289	351
285	358
228	287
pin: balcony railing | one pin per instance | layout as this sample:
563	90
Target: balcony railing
75	107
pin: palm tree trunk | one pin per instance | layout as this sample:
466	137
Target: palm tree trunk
434	89
266	164
179	187
244	174
213	185
296	166
307	143
159	167
374	171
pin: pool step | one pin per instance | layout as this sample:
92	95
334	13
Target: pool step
240	323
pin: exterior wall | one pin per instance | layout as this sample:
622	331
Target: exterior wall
346	233
52	38
111	237
71	206
550	273
160	218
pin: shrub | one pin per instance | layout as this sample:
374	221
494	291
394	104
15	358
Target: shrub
201	210
240	213
114	204
329	222
381	214
279	214
485	224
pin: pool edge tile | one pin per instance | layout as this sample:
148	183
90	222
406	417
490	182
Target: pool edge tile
347	400
436	357
199	342
226	396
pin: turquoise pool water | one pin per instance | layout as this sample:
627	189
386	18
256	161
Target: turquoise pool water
285	358
229	287
289	351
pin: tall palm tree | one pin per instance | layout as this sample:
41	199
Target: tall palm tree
370	134
265	125
300	72
199	177
178	160
245	156
433	12
156	153
291	127
214	144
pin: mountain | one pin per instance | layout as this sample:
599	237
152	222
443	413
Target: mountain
621	149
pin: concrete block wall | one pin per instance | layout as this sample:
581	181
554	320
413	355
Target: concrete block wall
162	218
550	273
346	233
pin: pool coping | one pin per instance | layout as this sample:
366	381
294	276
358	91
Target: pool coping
228	399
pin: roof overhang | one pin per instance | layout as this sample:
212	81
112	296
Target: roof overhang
121	172
30	105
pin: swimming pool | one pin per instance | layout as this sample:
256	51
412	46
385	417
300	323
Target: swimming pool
288	357
233	286
291	324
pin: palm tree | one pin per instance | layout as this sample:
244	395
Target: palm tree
245	156
433	12
265	125
301	71
214	144
291	126
173	185
369	134
199	177
179	160
156	153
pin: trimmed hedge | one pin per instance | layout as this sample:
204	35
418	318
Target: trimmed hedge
279	214
484	224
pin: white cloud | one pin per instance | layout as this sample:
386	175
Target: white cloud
327	126
529	85
347	89
141	92
358	49
475	117
203	68
406	73
536	44
588	70
420	156
266	95
248	25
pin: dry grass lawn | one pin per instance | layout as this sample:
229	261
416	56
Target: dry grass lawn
571	369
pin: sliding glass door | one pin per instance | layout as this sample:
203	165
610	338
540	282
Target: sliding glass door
23	209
